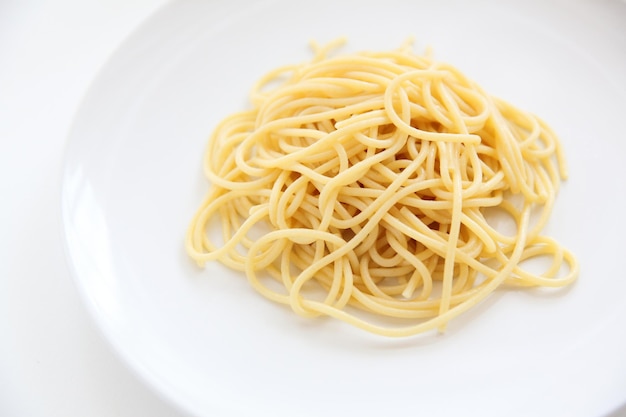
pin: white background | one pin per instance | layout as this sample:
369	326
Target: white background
53	359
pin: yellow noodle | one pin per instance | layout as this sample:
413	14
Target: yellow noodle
360	185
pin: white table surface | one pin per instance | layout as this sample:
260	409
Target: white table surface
53	359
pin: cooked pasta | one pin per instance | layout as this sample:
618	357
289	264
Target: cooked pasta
364	186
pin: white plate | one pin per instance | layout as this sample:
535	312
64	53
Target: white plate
207	341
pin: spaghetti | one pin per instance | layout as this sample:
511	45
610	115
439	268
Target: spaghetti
360	186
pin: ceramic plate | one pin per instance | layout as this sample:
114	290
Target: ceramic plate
208	342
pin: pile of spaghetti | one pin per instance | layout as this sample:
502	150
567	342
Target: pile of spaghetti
360	186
